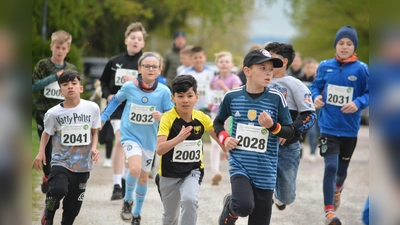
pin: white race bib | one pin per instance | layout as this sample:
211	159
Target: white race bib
75	134
201	90
53	91
252	138
339	95
140	114
119	80
218	96
188	151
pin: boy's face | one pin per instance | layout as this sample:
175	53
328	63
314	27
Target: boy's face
296	64
60	51
185	60
279	71
149	74
71	89
310	69
185	101
134	42
344	48
225	64
198	59
180	42
259	74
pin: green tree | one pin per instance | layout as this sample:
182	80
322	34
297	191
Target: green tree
71	16
317	22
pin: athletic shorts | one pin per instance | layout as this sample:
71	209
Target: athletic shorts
116	125
132	148
342	146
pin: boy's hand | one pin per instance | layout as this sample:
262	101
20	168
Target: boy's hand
184	133
127	78
109	98
350	107
265	120
209	106
37	162
221	84
156	115
95	155
282	141
230	143
318	102
59	73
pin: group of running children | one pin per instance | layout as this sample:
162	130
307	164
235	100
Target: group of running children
258	126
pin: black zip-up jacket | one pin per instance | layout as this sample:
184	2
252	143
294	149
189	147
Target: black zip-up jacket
107	79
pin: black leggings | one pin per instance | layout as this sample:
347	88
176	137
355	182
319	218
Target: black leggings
70	186
250	201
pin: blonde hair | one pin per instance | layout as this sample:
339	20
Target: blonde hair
61	37
218	55
186	50
254	47
136	26
151	54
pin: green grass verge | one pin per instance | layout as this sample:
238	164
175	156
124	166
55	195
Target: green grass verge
36	196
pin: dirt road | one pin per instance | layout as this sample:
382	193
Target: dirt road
306	210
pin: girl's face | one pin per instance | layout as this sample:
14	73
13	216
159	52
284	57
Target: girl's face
150	69
225	64
344	48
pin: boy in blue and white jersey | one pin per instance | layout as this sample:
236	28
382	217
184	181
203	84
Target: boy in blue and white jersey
146	100
260	116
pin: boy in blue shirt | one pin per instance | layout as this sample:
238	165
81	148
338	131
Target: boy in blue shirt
260	116
341	91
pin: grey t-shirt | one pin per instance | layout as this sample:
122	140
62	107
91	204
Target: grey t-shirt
297	95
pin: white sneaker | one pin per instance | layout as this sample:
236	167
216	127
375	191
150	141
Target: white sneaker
311	158
107	163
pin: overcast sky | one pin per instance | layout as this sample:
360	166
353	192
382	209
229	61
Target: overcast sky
271	20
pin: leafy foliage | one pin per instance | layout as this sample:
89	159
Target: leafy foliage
318	21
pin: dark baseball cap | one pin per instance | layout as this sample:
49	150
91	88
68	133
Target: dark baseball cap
259	56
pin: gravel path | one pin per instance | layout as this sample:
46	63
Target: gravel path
306	210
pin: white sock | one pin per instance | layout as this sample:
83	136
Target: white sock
125	172
117	179
276	201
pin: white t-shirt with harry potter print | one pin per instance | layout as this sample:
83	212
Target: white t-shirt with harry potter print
71	134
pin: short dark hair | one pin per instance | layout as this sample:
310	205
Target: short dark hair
196	49
69	75
183	83
285	50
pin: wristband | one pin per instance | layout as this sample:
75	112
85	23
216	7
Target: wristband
223	135
276	128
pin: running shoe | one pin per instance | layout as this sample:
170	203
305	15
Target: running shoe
331	219
117	192
226	218
136	220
